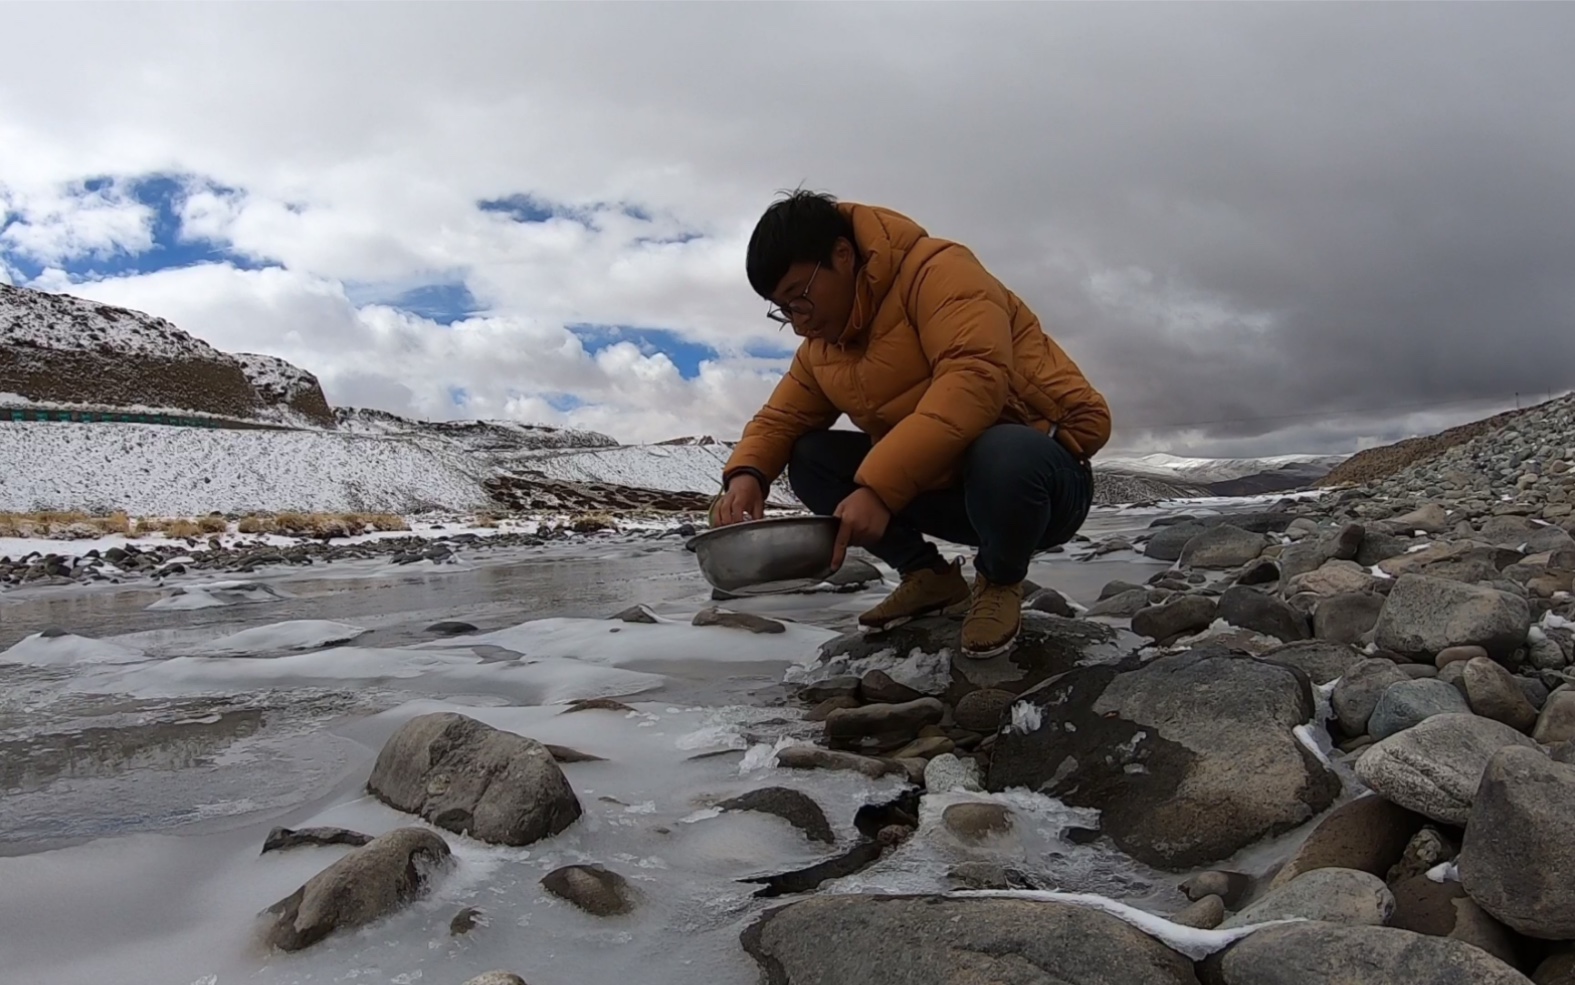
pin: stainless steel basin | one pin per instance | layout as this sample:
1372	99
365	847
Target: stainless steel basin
758	557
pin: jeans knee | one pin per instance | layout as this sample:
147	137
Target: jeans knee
1008	457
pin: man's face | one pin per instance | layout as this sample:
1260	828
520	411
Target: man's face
817	298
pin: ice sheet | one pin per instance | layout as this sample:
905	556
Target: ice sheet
63	651
1195	944
622	644
297	634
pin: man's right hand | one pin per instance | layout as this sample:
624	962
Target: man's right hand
744	500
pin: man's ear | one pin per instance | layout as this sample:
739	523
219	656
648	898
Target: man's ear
843	256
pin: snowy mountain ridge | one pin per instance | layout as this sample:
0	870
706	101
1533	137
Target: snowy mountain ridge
40	320
1215	469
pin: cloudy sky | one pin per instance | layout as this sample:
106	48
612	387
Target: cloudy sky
1259	228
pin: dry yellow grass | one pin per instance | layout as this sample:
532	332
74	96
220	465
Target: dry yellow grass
322	524
57	524
181	529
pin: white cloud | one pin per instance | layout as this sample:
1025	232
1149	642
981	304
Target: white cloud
67	223
1214	222
510	366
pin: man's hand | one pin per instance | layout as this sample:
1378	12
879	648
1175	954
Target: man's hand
744	500
864	518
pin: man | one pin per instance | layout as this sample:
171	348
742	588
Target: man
977	427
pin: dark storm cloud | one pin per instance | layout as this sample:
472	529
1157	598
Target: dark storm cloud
1302	223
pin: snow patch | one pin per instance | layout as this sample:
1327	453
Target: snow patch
64	651
1195	944
1026	718
299	634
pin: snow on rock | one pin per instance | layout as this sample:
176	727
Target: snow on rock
276	380
163	471
677	468
498	440
37	319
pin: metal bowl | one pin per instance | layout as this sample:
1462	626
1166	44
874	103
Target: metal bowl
758	557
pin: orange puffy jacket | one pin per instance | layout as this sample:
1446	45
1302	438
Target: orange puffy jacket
936	351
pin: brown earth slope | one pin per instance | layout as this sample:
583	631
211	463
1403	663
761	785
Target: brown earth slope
1379	463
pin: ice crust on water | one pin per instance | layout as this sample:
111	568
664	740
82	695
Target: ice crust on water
64	651
210	885
1195	944
621	644
215	594
298	634
650	812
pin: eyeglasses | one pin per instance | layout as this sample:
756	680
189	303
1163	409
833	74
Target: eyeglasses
800	306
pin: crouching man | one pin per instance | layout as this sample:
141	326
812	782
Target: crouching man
975	427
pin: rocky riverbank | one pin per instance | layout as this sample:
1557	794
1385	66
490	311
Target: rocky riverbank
156	560
1330	741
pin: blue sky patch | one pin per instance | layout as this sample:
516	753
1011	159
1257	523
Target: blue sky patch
563	403
686	355
443	303
458	396
163	194
526	207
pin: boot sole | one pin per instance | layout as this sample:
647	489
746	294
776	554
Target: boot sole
944	609
995	651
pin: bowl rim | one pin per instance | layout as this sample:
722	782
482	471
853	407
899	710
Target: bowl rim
716	533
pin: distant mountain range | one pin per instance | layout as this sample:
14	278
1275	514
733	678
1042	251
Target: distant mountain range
1231	476
63	353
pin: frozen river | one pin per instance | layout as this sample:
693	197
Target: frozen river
146	753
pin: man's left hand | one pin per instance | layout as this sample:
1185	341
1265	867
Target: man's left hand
864	518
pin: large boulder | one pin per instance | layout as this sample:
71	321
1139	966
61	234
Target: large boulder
1424	615
939	941
1223	547
1333	578
1346	618
1434	768
1189	758
1368	834
363	886
1314	951
1493	692
1249	608
1168	542
1175	617
1336	895
1518	860
470	778
1321	661
1412	702
1357	694
919	655
1442	908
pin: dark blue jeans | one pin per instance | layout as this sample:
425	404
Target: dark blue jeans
1020	492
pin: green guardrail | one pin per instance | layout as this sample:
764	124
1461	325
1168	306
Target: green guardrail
27	414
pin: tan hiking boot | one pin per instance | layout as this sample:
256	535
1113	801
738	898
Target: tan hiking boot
994	619
922	593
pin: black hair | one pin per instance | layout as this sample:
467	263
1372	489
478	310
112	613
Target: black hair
802	227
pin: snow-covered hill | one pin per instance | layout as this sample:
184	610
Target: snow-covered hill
40	320
1206	470
499	441
170	471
